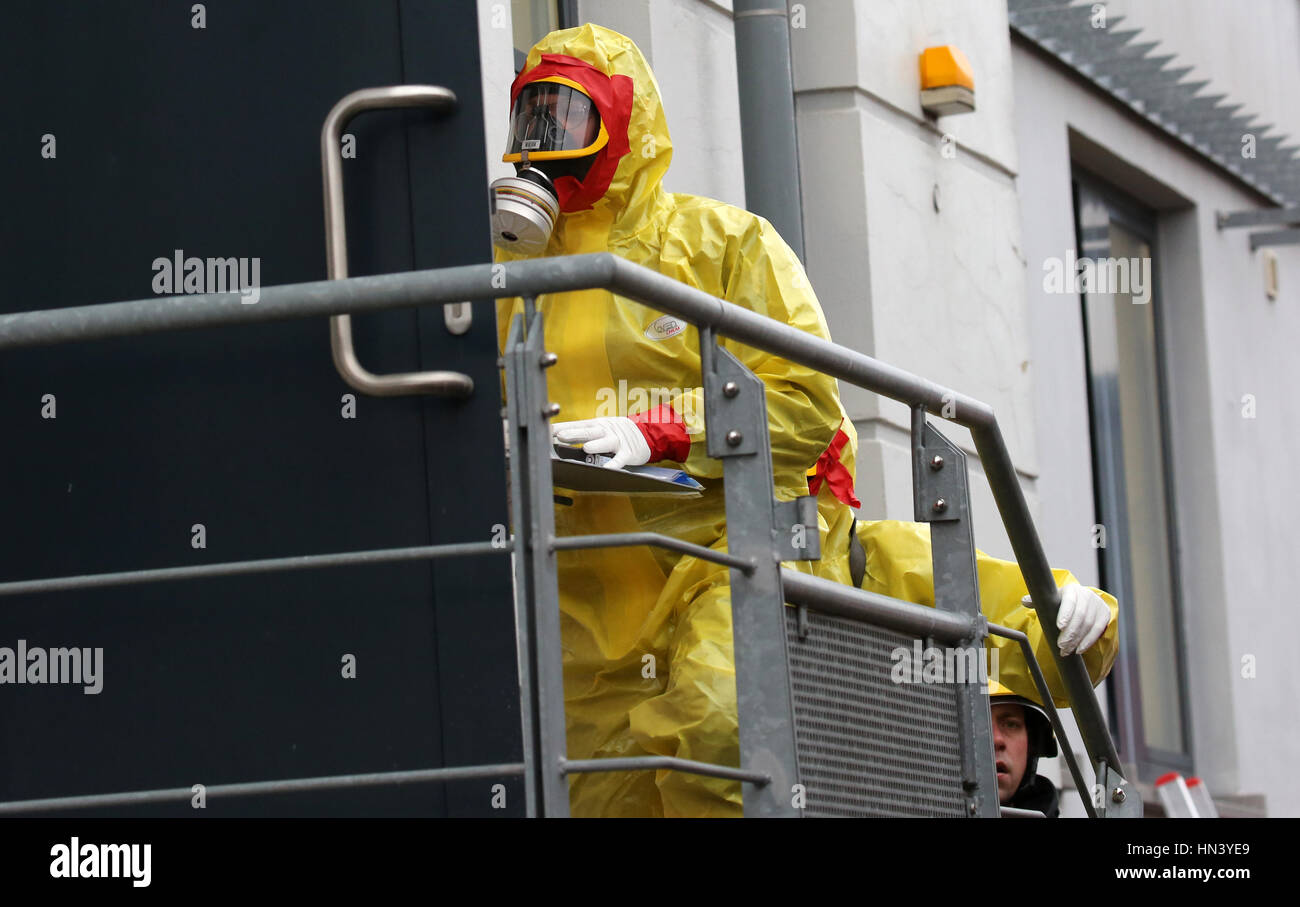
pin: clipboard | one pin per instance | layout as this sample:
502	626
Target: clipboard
574	470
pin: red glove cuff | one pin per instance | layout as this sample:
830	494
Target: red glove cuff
835	474
665	433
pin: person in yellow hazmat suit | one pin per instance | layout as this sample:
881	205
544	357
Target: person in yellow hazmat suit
646	633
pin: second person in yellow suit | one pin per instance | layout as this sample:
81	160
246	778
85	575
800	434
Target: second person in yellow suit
646	633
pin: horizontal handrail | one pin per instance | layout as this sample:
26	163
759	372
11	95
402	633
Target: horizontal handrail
265	565
653	539
869	607
662	763
259	788
535	277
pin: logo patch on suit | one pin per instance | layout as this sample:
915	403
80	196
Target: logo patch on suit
664	327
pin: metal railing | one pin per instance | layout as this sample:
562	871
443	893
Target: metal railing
760	586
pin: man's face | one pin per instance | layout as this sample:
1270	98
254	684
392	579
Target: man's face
1010	747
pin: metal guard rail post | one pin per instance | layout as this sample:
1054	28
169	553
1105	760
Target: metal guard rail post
604	270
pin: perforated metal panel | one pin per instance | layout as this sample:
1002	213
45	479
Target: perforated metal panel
869	746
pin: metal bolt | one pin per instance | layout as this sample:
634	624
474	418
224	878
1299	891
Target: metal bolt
937	463
1118	795
734	438
549	359
940	505
730	389
552	409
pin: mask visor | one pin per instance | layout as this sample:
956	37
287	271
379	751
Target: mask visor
554	119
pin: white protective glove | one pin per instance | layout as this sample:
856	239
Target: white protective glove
1082	618
614	436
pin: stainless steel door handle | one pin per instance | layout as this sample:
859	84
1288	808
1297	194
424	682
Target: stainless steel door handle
445	384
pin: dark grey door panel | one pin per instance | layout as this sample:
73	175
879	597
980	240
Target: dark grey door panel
169	137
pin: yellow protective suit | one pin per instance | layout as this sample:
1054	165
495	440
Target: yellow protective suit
899	565
647	640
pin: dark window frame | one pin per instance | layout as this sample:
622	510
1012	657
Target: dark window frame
1125	691
567	13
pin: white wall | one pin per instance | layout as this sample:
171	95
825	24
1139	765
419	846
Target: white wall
937	292
1233	488
497	61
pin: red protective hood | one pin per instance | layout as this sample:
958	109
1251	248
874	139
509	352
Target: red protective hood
612	96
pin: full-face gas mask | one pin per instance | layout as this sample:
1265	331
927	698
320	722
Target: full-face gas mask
555	132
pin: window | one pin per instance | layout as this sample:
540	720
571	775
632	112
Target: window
1132	476
534	18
